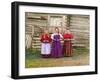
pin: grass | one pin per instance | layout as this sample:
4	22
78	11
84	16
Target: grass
32	54
33	59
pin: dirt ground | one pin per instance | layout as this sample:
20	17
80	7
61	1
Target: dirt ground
80	57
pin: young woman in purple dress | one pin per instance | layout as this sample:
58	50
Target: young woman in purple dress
56	48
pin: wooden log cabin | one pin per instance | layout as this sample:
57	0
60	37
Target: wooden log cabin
36	22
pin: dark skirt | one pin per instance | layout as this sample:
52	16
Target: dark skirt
67	48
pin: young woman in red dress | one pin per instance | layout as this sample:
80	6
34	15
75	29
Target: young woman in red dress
67	46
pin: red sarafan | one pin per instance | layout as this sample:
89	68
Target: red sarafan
67	46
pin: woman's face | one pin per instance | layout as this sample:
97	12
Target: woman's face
57	30
46	31
67	31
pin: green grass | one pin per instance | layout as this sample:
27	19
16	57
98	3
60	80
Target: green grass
33	58
32	54
80	50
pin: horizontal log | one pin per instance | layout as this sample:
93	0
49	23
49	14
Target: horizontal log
78	31
84	36
80	16
79	20
36	37
32	23
29	14
81	42
79	28
39	25
79	25
28	29
80	39
80	45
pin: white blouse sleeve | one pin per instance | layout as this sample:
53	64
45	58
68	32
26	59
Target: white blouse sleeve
52	36
61	36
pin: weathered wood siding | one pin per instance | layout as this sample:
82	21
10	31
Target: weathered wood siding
35	23
79	25
34	26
